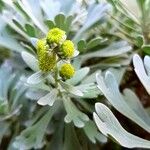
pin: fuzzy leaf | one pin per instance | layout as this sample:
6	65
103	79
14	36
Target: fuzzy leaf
34	41
114	49
49	98
30	60
71	140
92	133
37	77
32	137
73	114
109	126
71	89
109	87
141	72
79	76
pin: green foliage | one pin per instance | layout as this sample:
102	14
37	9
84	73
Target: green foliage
52	96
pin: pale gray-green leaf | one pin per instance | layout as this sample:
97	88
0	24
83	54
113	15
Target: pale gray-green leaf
109	125
134	102
49	98
141	72
109	87
30	60
92	132
37	77
34	41
79	76
71	89
74	114
114	49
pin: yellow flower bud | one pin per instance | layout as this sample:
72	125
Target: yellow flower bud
46	59
56	36
67	71
67	49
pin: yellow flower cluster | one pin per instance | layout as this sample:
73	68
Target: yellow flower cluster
67	71
47	59
56	36
53	47
66	49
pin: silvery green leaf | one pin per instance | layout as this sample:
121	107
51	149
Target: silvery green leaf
118	73
94	42
5	81
114	49
125	10
109	125
34	94
32	137
34	41
10	43
77	63
92	132
147	64
67	5
93	93
71	141
30	60
76	53
134	102
37	77
86	105
96	12
71	89
74	114
141	72
86	87
109	87
11	23
79	76
39	86
34	12
49	98
90	78
58	138
17	97
89	90
51	8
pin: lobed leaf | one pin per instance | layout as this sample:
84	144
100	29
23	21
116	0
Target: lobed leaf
109	126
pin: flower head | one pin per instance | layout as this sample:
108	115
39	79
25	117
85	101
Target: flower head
46	58
67	71
41	45
67	49
56	36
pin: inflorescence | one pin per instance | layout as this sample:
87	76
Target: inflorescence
53	48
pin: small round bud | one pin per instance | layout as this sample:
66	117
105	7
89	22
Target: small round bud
66	50
46	59
67	71
56	36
